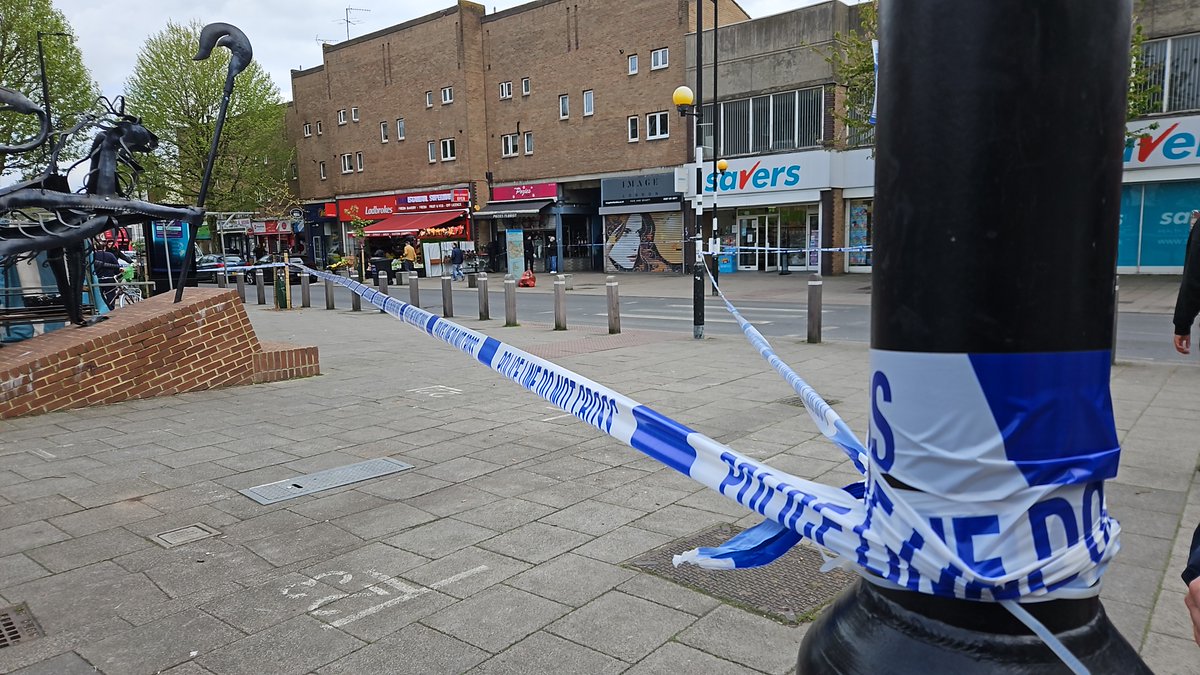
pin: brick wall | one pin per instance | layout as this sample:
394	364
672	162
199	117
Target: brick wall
152	348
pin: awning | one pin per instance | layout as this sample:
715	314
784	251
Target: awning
513	209
409	223
660	207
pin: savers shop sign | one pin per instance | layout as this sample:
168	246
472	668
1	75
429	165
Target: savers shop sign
1175	141
767	173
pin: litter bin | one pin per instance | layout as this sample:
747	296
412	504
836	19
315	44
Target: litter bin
725	263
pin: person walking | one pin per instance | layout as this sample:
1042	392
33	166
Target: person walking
1187	303
410	256
107	268
456	262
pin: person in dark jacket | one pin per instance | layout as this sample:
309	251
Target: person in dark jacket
1191	577
108	268
456	260
1187	304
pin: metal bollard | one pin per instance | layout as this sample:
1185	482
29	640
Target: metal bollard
614	306
381	280
222	280
472	279
400	274
329	294
305	291
240	279
414	294
355	298
447	298
1116	306
484	312
260	280
560	302
510	300
814	308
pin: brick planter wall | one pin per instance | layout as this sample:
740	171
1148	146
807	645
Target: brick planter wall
152	348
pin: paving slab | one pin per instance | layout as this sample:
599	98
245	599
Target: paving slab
295	647
536	542
747	639
674	657
88	549
571	579
621	625
63	664
159	645
546	654
496	618
440	538
413	650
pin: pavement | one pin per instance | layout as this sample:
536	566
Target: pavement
501	551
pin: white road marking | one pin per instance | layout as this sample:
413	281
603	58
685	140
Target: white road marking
664	317
744	310
557	417
436	391
43	454
409	593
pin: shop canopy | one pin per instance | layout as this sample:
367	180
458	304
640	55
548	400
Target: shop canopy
409	223
513	209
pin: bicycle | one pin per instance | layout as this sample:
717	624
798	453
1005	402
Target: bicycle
127	292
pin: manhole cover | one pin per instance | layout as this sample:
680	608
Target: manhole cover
184	535
799	402
791	589
324	480
17	625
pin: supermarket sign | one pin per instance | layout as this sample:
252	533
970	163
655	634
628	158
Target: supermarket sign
1174	142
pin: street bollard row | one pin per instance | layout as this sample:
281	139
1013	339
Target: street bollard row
814	308
560	303
260	282
447	298
381	280
240	280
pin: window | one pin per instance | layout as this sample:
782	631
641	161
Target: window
341	117
525	89
658	59
633	64
529	142
508	145
564	107
318	127
354	114
429	99
432	151
358	160
656	126
321	169
295	174
447	95
784	121
383	132
505	90
448	150
347	163
307	129
589	103
399	128
633	129
1173	66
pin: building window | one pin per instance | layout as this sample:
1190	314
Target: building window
658	59
1173	66
383	132
429	99
633	64
447	95
633	129
358	160
295	173
347	163
656	126
307	129
505	90
354	114
775	122
525	89
448	150
321	169
432	151
529	142
564	107
399	128
508	145
589	103
858	231
341	117
319	127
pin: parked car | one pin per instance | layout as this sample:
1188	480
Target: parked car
207	266
293	273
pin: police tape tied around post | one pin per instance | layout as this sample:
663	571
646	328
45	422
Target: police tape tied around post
983	474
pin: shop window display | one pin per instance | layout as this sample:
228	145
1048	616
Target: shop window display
859	232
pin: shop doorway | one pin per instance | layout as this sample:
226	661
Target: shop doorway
758	243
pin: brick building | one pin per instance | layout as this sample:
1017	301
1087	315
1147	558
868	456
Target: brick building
508	123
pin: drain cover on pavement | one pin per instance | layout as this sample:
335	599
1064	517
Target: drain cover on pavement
299	486
790	589
184	535
17	625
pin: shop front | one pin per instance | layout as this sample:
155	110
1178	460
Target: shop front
643	223
271	236
1161	188
517	229
432	221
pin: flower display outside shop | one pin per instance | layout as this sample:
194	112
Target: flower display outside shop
448	233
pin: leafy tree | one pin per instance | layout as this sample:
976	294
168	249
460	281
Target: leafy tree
72	91
178	99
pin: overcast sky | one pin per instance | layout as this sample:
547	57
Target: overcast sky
284	33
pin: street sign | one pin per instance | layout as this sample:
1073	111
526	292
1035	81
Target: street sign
297	213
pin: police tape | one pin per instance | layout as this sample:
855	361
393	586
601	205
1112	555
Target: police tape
770	249
1048	541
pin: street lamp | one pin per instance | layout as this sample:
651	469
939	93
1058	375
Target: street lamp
687	105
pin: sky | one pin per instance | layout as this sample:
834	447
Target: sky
286	34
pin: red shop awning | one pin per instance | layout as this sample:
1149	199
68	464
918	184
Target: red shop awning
409	223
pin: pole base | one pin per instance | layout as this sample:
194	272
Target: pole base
870	630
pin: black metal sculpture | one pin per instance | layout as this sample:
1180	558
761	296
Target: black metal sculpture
107	198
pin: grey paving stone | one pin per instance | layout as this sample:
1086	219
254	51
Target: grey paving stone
511	482
383	520
29	536
451	500
369	616
138	468
565	468
505	514
189	668
507	454
655	589
546	654
313	541
571	579
266	525
642	497
190	475
622	544
215	562
496	618
178	460
144	614
1143	551
104	518
294	647
63	664
108	493
272	602
472	568
562	495
1150	499
10	478
593	517
17	569
160	644
322	462
92	548
368	562
336	505
673	658
460	469
621	625
88	595
747	639
205	514
1169	617
440	538
255	460
77	465
1166	654
413	650
536	542
405	486
256	477
122	455
56	644
21	492
678	521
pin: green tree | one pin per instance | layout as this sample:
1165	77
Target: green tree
72	91
178	99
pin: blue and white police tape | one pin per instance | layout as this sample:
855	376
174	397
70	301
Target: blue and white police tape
772	249
1054	547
